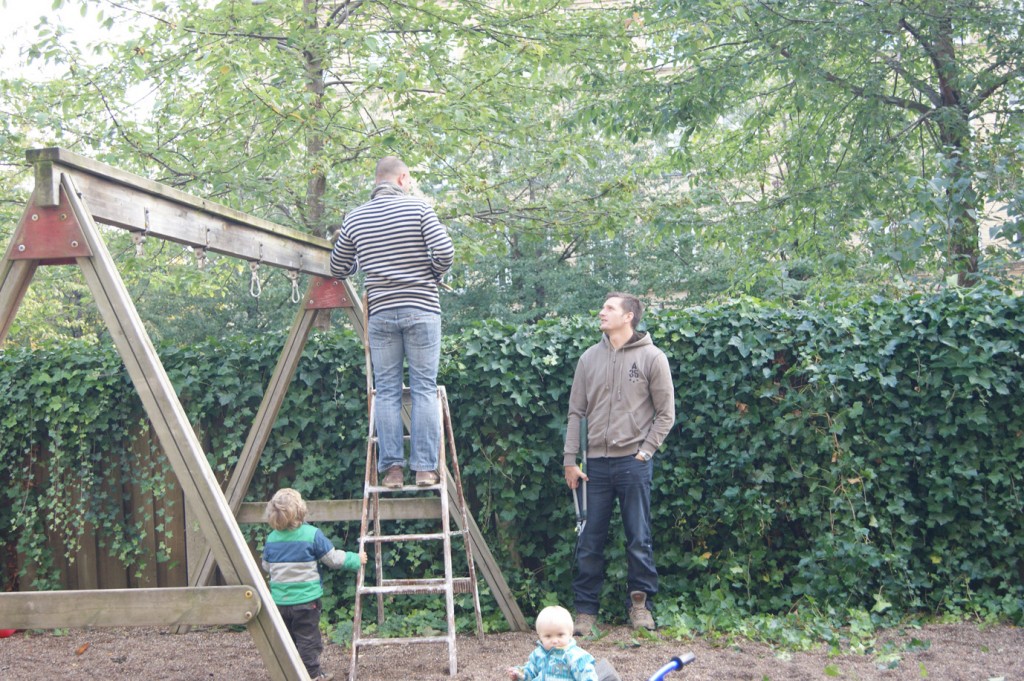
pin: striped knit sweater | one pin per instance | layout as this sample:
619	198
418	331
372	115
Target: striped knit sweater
293	557
400	246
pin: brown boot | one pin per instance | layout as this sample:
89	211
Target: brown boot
639	616
395	478
427	478
585	624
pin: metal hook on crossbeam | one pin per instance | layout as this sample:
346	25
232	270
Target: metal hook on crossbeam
255	288
139	238
200	252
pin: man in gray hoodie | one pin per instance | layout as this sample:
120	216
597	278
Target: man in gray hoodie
623	387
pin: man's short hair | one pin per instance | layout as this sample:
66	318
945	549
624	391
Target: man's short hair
389	168
630	303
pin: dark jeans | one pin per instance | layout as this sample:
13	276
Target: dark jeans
629	481
303	622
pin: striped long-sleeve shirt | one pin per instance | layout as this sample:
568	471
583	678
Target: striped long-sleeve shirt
401	247
293	557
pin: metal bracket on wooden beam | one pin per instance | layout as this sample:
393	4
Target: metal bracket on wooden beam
327	294
50	234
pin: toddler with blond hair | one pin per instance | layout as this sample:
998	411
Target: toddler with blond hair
556	657
293	554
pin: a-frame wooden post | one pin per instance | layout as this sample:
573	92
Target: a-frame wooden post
67	233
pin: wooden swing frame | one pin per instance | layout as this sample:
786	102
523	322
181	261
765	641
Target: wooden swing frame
59	227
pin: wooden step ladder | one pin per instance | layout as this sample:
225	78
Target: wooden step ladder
430	502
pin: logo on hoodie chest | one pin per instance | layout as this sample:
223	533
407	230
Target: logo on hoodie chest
634	373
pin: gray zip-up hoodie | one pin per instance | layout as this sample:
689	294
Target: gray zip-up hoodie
627	397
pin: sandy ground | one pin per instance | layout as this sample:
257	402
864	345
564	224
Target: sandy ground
958	652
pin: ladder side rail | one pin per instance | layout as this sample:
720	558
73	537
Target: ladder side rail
373	452
378	547
463	510
449	591
368	481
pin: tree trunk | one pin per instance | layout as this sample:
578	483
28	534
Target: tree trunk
316	187
955	135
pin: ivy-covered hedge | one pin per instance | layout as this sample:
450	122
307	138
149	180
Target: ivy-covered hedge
864	459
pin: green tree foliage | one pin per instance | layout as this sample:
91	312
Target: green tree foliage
785	149
281	109
832	137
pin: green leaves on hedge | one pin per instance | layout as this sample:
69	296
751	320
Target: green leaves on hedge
840	459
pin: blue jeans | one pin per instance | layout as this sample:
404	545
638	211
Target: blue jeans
414	336
628	481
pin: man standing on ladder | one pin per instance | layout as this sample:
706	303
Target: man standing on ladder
403	250
623	388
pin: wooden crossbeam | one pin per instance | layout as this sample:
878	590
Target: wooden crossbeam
130	607
137	204
151	209
345	510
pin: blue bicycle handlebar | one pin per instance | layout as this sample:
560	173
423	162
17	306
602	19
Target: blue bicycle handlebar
676	664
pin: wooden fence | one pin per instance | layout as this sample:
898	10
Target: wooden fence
93	566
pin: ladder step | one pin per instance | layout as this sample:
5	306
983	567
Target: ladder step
381	539
405	589
372	538
397	641
404	488
460	585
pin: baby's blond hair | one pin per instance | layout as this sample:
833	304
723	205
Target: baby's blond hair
286	510
553	615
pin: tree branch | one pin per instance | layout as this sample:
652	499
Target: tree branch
343	12
861	92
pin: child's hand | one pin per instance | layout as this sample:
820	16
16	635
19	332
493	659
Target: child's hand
362	557
515	673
